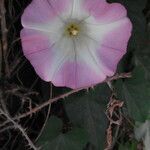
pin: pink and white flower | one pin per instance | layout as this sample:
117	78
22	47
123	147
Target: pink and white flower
75	43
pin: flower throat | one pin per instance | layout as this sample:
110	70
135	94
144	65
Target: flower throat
73	30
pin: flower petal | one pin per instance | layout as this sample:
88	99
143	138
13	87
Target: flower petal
114	32
83	69
40	14
63	63
109	58
104	12
34	41
111	40
77	75
37	49
90	56
118	37
75	10
45	55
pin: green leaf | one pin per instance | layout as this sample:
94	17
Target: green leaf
142	58
52	129
52	138
128	146
86	109
136	93
139	34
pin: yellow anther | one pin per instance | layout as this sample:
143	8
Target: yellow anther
73	30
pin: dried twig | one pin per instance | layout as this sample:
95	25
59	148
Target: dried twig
119	76
48	113
17	126
41	106
7	128
112	108
4	36
5	71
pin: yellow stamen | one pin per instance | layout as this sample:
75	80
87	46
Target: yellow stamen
72	30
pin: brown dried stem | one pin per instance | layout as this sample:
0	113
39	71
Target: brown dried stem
41	106
4	44
17	126
113	106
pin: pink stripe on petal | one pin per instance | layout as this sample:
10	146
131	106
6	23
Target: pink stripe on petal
119	36
114	46
104	12
113	12
42	11
109	59
37	12
42	62
76	75
34	41
95	7
59	7
45	56
37	49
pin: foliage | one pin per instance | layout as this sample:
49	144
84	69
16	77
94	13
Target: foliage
87	109
52	138
136	94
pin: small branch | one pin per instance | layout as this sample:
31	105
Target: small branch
41	106
20	129
7	128
48	113
34	110
119	76
4	35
